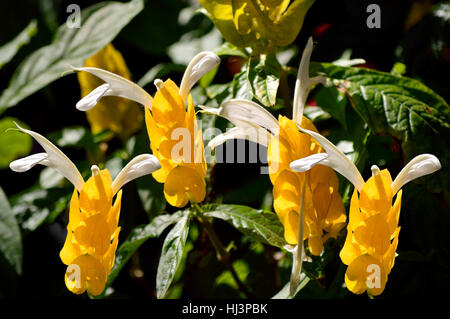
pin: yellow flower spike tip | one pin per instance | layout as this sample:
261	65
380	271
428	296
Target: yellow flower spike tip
372	231
117	115
92	232
172	128
261	24
323	208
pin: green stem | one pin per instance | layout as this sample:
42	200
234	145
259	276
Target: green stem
222	254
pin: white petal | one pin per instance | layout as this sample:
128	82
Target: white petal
54	159
26	163
306	163
91	100
119	86
304	83
201	64
419	166
241	112
253	134
139	166
336	160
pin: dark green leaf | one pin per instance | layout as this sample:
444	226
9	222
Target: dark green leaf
264	78
10	239
34	206
100	23
402	107
9	50
171	255
261	225
138	236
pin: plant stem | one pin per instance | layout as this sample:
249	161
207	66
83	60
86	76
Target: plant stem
222	254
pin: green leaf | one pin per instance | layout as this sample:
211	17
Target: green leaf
171	255
264	78
260	225
402	107
10	49
333	102
241	87
285	293
13	143
10	239
229	49
35	206
138	236
100	24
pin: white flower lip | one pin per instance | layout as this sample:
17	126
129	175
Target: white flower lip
139	166
118	86
201	64
53	157
91	100
334	159
419	166
254	134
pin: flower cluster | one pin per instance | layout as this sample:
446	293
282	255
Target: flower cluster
260	24
92	231
92	234
372	231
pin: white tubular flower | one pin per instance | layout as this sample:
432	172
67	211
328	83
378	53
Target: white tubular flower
201	64
115	86
252	121
333	158
419	166
139	166
53	157
304	83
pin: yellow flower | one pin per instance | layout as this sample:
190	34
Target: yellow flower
177	142
321	215
372	231
92	232
175	138
261	24
117	115
324	211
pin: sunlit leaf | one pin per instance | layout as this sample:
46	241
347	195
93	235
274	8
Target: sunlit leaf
138	236
13	143
260	225
9	50
171	255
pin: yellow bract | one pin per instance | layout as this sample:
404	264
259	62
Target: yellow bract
92	235
324	211
177	143
261	24
121	116
372	235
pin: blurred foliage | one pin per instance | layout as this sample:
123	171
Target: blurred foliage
373	116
